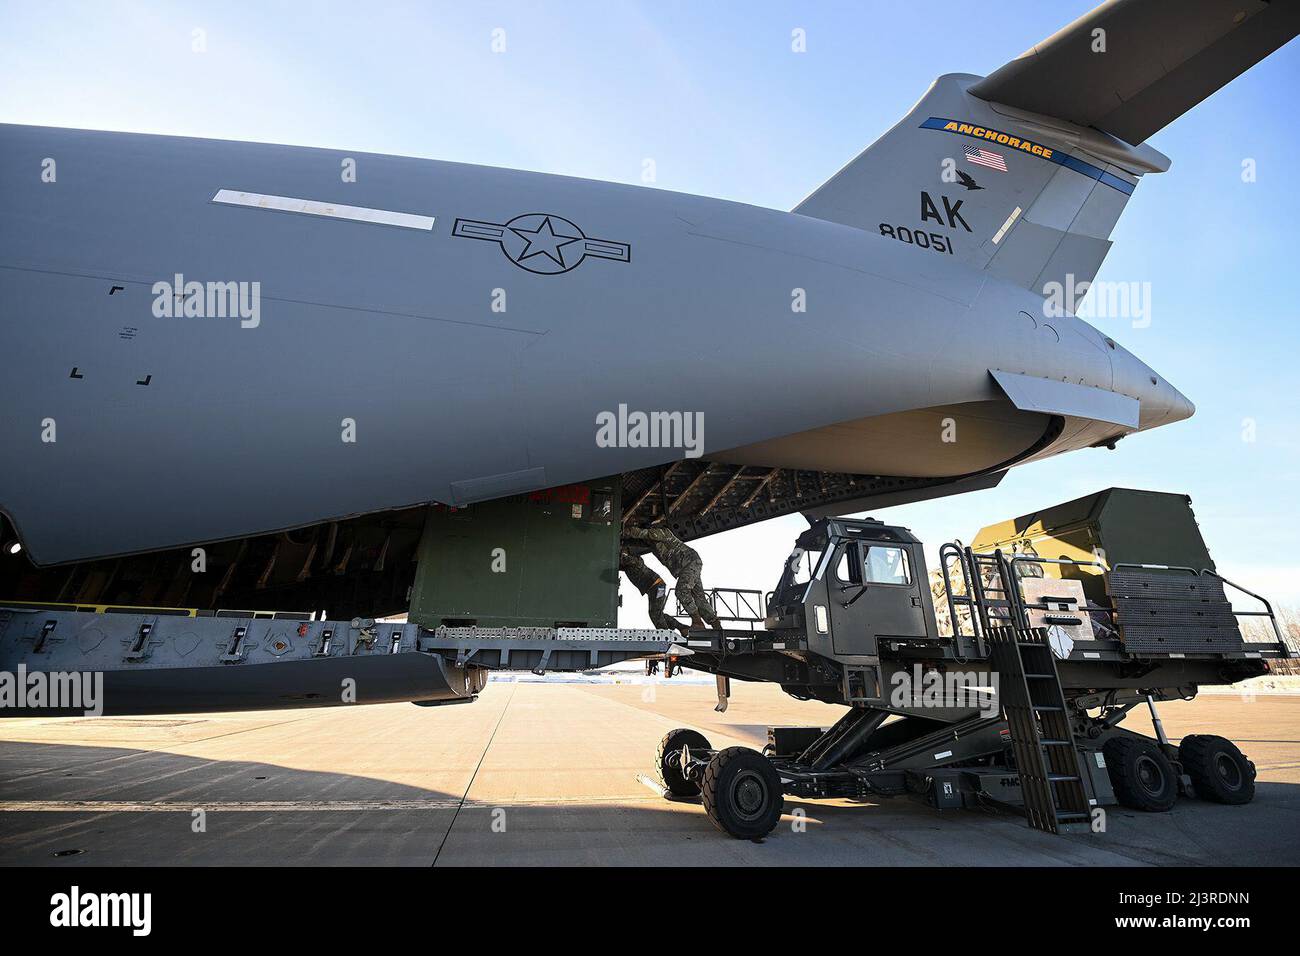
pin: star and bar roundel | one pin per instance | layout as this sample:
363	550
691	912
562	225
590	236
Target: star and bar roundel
541	242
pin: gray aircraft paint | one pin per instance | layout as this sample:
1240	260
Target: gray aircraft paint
174	431
238	430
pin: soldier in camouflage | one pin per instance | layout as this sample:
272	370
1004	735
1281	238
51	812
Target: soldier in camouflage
652	586
684	563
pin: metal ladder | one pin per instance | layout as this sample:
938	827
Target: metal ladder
1051	776
1051	780
984	611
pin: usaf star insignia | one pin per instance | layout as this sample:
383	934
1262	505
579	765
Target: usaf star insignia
542	243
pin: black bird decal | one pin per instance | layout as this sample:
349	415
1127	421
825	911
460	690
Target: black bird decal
967	181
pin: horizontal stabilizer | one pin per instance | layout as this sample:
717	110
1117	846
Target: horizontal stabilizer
1132	67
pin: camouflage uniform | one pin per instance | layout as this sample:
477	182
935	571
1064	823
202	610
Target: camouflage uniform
685	564
649	584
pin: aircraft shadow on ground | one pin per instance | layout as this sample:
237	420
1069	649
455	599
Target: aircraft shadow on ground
266	814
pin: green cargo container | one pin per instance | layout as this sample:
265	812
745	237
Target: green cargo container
1122	524
545	559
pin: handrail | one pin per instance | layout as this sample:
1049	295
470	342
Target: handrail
1016	606
1283	642
1154	567
1011	589
731	604
947	550
1043	605
1034	559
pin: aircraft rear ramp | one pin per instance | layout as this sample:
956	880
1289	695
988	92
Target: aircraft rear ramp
154	662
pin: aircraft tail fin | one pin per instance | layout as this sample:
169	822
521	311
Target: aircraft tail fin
1023	175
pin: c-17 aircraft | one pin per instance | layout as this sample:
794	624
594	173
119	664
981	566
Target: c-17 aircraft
240	375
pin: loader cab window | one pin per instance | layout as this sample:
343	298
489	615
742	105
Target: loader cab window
848	564
796	573
801	564
886	565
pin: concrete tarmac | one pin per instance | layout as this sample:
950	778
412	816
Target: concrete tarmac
546	773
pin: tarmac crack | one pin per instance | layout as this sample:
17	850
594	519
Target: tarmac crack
473	776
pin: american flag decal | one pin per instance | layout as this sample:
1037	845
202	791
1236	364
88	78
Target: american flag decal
985	157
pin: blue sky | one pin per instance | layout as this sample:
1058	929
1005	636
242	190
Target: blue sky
712	93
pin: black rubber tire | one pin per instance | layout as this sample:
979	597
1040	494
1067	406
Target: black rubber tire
670	771
1219	771
1141	774
742	793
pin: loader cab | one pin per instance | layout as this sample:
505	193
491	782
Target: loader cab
869	584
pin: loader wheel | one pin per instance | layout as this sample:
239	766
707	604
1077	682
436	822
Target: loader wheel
742	793
1219	771
670	770
1142	776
